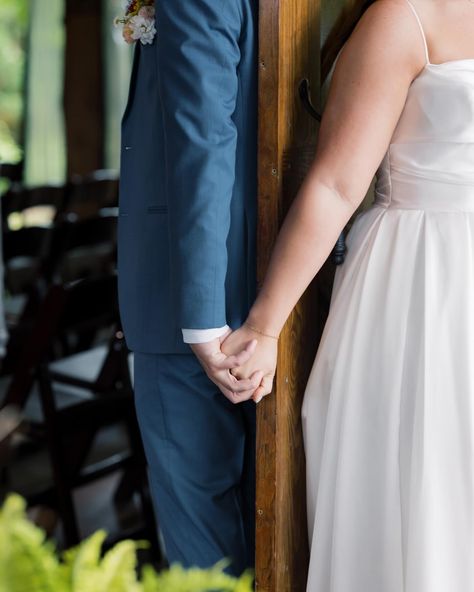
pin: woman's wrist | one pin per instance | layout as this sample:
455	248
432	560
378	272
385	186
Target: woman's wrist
259	321
258	331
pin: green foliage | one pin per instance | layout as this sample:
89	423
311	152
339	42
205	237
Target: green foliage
29	563
177	579
13	27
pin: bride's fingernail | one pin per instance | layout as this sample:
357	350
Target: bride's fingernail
258	400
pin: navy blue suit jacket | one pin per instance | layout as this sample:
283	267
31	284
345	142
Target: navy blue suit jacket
187	220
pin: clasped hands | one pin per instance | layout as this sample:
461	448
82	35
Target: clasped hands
241	363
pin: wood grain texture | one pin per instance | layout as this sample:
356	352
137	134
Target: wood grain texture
83	86
289	51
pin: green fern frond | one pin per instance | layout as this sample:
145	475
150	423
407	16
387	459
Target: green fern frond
84	564
28	563
118	569
178	579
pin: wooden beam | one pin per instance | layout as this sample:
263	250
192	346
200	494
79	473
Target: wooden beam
83	86
289	52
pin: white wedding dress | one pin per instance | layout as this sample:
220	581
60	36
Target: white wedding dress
388	413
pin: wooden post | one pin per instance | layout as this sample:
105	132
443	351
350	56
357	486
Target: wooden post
289	52
83	86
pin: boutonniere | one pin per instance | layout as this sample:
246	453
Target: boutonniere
138	22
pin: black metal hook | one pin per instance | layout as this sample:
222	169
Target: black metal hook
338	254
305	96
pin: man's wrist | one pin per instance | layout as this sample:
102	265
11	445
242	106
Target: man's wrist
193	336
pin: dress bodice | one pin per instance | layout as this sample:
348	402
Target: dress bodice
430	159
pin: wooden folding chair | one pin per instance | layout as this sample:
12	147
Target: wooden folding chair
81	394
24	253
83	249
32	206
89	194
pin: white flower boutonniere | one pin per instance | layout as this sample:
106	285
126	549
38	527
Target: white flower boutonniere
138	22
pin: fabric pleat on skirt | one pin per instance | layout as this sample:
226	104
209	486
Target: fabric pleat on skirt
388	416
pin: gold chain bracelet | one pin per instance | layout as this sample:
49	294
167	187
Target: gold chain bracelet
260	332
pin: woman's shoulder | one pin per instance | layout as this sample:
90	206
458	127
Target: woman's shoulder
387	34
396	10
393	17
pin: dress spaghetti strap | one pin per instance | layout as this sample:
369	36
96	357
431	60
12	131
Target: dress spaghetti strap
421	29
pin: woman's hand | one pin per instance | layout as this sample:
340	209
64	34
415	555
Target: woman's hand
264	359
218	366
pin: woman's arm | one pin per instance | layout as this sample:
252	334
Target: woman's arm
367	94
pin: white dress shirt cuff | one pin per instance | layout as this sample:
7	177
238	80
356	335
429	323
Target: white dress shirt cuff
203	335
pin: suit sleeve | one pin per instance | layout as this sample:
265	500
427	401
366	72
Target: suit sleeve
198	57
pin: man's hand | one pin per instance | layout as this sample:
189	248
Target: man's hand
217	366
263	359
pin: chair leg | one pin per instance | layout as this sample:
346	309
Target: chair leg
67	512
63	487
126	487
66	509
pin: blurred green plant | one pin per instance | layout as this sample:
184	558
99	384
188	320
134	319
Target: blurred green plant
13	32
29	563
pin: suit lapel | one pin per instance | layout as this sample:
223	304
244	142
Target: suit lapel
133	78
